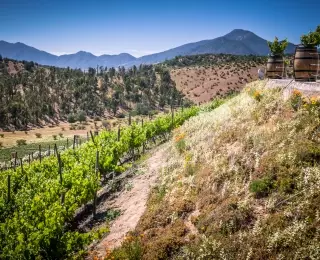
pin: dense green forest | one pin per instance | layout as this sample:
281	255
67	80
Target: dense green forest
31	93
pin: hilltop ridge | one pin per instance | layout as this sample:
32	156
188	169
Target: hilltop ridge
237	42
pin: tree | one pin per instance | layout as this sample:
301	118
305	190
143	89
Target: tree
81	116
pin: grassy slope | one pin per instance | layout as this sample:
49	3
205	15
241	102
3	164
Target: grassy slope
250	170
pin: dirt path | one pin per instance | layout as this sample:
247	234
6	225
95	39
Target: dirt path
132	202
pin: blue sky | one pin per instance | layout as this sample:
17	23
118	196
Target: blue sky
144	27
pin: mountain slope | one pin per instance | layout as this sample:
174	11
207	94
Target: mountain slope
238	42
81	59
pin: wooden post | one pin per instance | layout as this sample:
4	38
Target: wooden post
49	150
29	159
40	152
172	116
119	133
92	137
55	150
15	161
95	192
129	119
9	187
182	105
74	142
79	141
60	167
87	136
143	144
32	156
67	142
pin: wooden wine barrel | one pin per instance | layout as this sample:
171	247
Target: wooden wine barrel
275	67
305	64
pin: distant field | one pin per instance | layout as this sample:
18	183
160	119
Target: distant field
23	150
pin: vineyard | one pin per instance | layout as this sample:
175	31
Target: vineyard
38	201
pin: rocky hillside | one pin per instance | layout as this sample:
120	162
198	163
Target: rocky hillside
239	182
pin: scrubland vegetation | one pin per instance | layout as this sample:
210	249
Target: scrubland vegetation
245	177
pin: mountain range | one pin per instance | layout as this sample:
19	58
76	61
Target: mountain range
238	42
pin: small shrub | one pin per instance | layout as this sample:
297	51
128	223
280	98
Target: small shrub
26	132
61	135
81	127
106	124
54	137
38	135
1	144
2	135
97	118
62	129
73	127
296	99
261	187
21	142
71	118
121	115
180	143
81	116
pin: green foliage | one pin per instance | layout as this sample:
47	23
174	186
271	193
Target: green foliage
81	116
54	137
36	201
278	47
21	142
312	39
2	135
38	135
71	118
73	90
61	135
261	187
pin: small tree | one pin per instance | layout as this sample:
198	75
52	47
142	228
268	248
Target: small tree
71	118
81	116
277	47
312	39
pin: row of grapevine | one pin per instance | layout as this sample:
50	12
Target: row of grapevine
33	220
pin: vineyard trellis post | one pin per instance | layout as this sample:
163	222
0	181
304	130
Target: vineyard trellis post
119	133
74	142
49	150
143	144
40	152
29	159
95	191
67	142
129	118
9	187
55	150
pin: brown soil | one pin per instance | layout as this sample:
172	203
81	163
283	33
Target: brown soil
201	84
131	202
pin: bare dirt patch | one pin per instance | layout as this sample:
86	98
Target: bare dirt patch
132	201
201	84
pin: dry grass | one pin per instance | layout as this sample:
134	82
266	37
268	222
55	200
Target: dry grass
247	140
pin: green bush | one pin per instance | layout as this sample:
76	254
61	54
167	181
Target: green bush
1	135
61	135
38	135
71	118
1	144
81	116
261	187
54	137
21	142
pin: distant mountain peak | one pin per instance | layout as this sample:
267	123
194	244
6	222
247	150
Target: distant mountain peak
237	42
